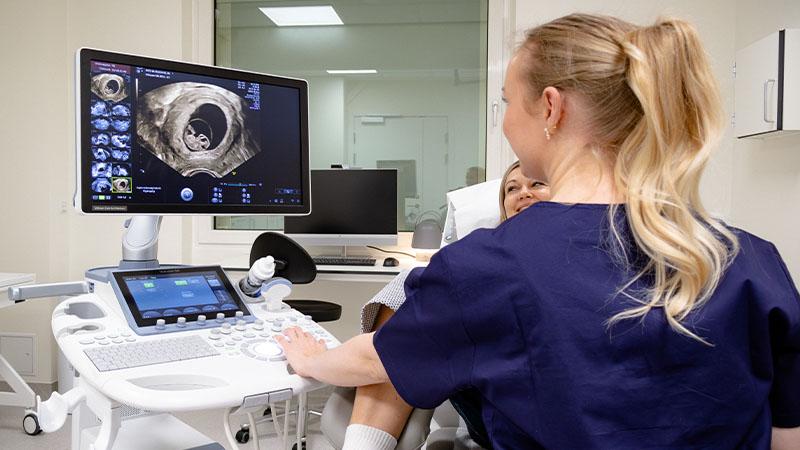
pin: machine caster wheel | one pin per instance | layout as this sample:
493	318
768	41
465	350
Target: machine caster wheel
30	424
302	445
243	435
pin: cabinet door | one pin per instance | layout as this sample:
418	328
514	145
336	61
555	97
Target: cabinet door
756	87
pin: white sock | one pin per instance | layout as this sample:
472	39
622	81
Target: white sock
363	437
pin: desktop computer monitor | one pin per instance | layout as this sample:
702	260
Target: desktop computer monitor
350	207
166	137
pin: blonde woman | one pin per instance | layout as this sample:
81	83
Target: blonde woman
620	314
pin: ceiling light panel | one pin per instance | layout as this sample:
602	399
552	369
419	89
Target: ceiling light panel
351	71
302	16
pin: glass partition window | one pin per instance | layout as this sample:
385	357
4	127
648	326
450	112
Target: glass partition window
398	84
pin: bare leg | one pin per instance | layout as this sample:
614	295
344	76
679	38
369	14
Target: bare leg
379	405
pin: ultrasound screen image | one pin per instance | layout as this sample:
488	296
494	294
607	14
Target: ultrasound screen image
120	155
100	153
101	170
99	108
101	124
101	185
120	170
110	87
101	139
121	124
120	111
120	140
196	128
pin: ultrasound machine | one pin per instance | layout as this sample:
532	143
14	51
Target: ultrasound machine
144	340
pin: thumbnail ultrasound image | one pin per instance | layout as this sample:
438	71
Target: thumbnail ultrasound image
100	153
120	155
120	170
99	108
101	185
101	169
110	87
121	185
120	140
101	139
101	124
195	128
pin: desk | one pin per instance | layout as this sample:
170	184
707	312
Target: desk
21	394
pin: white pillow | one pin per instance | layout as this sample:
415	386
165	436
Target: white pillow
470	208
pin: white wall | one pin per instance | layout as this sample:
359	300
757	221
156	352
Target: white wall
41	233
34	231
766	172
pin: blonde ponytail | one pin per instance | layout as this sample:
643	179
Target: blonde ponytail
656	105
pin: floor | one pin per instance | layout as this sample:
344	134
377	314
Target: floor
208	422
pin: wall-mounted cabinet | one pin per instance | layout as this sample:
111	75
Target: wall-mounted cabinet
767	87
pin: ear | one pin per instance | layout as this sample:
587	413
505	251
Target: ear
553	106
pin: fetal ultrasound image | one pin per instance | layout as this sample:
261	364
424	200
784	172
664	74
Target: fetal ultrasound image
101	169
101	123
120	170
100	153
195	128
121	124
99	108
120	111
101	185
120	140
101	139
109	87
121	185
120	155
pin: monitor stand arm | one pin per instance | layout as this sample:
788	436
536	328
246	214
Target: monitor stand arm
140	243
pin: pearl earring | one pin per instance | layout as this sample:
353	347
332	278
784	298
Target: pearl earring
547	133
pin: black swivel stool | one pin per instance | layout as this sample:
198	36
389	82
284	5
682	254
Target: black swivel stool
295	264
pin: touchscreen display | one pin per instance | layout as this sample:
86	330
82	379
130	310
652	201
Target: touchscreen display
170	293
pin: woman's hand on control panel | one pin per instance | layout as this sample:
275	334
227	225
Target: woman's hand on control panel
300	348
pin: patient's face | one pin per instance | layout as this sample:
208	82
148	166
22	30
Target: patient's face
520	192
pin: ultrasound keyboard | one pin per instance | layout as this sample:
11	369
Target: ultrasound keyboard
126	356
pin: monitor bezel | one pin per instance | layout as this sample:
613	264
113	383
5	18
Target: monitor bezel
133	307
82	199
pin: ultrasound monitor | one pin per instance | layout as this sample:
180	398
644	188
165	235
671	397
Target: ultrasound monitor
166	137
350	207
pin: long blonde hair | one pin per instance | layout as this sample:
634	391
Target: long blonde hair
655	104
503	214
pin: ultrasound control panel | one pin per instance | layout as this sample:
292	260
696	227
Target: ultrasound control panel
165	300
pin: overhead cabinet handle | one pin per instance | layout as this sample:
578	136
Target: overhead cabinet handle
768	88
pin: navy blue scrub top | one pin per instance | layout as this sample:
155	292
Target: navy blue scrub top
519	313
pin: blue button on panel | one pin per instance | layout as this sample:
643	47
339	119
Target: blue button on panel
187	194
